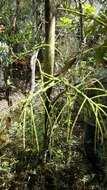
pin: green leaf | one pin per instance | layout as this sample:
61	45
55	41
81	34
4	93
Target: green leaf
88	9
101	52
65	21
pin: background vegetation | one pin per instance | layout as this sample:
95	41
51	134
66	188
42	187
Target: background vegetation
53	94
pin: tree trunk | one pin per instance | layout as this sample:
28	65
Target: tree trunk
15	24
81	23
34	20
49	58
49	35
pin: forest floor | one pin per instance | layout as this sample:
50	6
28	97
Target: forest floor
22	169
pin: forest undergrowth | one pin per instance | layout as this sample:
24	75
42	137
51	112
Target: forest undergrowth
64	165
